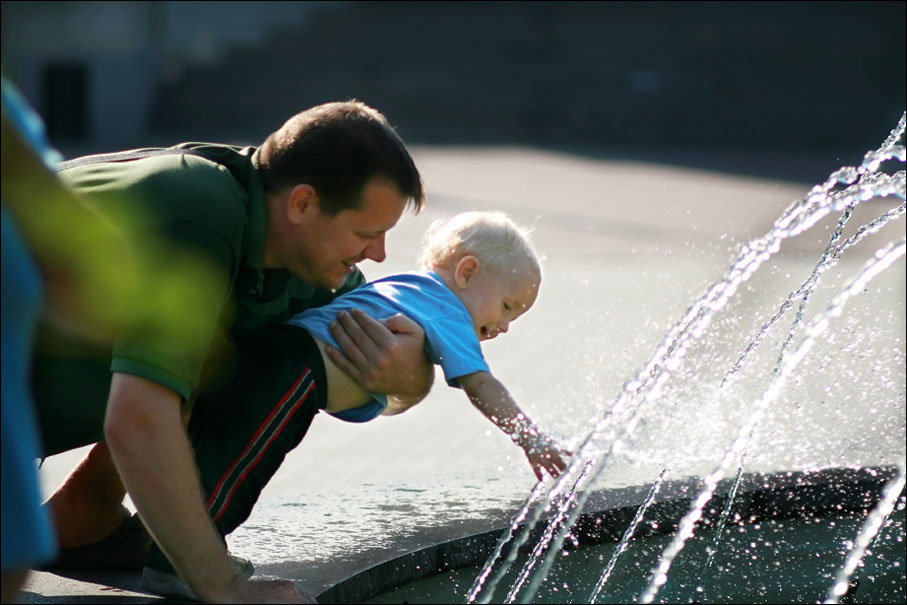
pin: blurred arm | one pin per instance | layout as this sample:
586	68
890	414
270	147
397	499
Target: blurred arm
86	263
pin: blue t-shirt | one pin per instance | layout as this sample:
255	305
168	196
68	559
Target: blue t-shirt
450	338
28	536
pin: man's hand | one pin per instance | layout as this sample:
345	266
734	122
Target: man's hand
383	356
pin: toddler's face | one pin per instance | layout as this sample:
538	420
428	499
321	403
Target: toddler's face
495	298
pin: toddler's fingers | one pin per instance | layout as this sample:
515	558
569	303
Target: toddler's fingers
537	469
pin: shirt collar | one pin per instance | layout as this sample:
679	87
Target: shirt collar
256	214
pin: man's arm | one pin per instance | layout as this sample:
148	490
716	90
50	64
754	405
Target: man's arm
492	398
154	458
86	262
383	356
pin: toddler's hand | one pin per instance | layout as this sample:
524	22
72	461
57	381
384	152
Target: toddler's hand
543	454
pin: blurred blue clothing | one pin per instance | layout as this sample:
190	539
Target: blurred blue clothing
450	337
28	536
28	124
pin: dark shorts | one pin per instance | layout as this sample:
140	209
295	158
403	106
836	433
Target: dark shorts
245	422
242	428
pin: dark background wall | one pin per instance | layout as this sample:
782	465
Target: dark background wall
580	75
755	75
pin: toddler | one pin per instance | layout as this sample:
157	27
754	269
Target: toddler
480	274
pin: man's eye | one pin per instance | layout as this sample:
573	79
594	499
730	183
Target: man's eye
506	307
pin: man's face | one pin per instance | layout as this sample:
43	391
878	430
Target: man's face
328	247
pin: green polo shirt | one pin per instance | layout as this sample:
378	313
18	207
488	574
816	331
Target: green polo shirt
197	214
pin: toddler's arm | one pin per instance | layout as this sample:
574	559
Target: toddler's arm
491	397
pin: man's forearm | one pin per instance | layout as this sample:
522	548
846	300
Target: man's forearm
154	459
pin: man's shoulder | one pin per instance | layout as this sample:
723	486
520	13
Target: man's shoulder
191	189
200	178
187	168
178	181
198	170
187	197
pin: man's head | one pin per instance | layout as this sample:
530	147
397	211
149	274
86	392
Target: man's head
337	178
337	148
487	261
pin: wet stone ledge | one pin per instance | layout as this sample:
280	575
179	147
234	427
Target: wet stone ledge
759	497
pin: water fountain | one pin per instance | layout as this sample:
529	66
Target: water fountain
554	514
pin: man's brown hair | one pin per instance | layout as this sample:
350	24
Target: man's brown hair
337	148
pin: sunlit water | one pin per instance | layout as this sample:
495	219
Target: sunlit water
618	426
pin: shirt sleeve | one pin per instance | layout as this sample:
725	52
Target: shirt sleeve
185	300
452	344
187	220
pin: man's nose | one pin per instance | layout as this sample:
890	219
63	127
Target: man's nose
376	250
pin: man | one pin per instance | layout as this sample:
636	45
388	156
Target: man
262	234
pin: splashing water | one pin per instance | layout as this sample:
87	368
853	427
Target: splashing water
520	518
531	510
868	532
829	259
631	529
882	260
719	527
842	191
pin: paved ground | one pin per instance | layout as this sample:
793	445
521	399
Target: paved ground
628	245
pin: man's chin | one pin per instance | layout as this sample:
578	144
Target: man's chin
331	285
335	282
325	282
329	278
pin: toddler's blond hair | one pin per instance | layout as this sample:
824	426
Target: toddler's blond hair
492	237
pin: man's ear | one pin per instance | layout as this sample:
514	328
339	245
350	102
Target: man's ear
301	201
466	269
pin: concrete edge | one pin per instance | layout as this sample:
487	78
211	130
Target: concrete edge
759	497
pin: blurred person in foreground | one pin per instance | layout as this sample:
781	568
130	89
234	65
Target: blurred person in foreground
479	275
252	235
57	254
